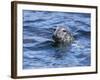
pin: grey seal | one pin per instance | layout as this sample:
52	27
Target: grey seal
62	35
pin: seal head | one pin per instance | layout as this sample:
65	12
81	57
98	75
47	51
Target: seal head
62	35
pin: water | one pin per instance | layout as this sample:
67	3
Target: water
38	49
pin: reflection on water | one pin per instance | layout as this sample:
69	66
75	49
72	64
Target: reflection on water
39	50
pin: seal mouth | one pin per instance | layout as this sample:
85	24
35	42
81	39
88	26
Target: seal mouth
56	39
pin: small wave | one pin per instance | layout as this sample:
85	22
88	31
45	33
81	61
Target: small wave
33	21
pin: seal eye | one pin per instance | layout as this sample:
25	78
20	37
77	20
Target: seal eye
64	30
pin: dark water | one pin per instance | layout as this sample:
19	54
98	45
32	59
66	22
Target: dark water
38	49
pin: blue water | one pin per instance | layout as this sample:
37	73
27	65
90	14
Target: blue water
38	49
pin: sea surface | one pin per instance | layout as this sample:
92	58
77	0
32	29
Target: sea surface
38	49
